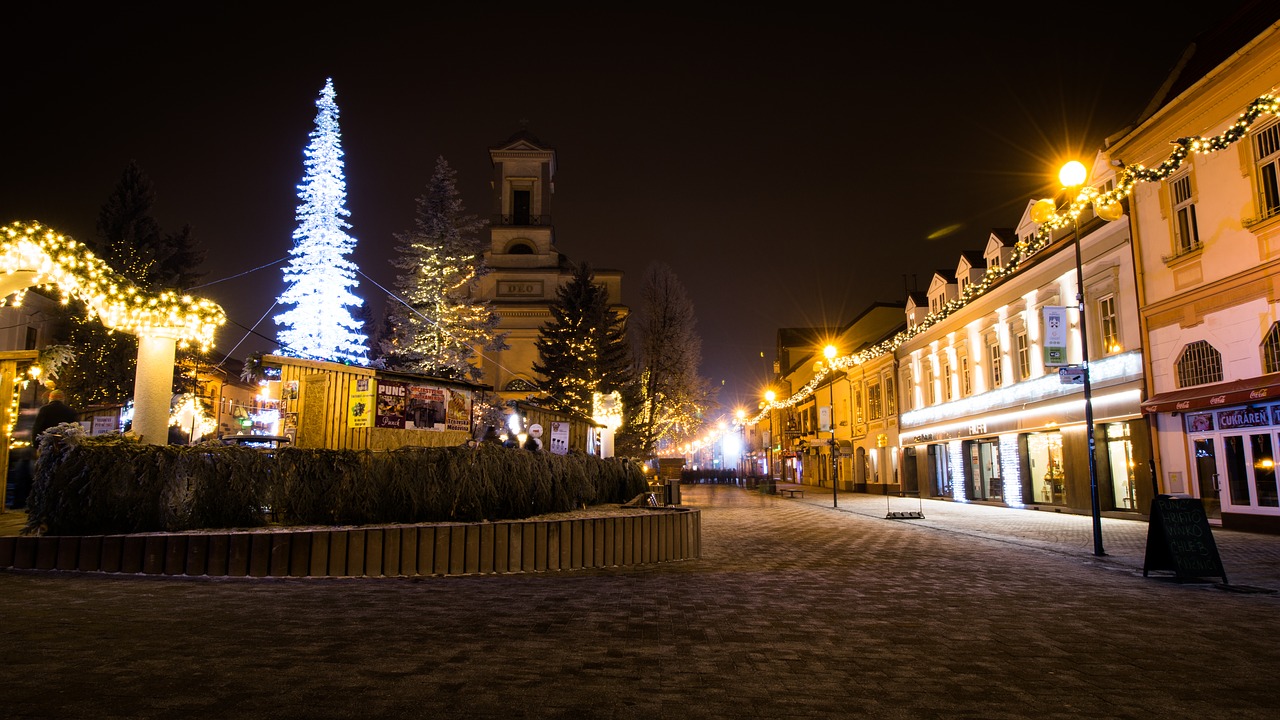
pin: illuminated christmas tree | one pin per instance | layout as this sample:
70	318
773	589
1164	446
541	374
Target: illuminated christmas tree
319	277
435	325
583	349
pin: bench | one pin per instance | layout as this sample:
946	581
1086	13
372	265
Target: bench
791	491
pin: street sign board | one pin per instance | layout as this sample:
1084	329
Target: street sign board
1071	375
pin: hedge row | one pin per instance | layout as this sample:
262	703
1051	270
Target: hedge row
112	485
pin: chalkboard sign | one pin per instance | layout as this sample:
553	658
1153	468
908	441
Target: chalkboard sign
1179	539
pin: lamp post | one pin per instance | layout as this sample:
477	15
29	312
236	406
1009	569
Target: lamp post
1072	176
769	397
829	352
741	416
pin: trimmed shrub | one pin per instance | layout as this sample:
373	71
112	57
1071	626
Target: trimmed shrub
110	484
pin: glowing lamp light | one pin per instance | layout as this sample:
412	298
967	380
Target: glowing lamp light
1072	174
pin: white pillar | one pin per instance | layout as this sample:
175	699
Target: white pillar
606	442
153	389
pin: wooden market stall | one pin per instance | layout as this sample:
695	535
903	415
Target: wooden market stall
335	406
562	430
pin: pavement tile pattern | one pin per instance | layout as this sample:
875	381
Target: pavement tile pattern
795	610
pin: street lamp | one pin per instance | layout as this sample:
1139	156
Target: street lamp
769	397
1073	176
829	352
741	415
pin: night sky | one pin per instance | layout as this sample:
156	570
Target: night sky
789	168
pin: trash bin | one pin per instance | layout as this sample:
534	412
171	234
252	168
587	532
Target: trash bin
673	492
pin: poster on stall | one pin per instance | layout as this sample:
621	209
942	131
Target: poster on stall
459	417
424	408
559	438
390	405
103	424
361	403
289	391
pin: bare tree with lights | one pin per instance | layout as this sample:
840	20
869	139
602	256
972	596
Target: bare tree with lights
436	325
319	278
670	399
583	349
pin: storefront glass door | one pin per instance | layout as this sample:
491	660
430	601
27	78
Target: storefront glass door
1207	477
1120	457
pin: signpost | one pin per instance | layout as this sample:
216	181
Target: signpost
1179	539
1071	375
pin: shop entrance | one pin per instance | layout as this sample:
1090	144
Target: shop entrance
939	475
984	471
1207	477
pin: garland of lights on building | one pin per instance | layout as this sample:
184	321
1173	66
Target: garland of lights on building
57	261
1050	219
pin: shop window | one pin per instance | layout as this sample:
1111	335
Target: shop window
1271	349
1044	459
1266	153
1199	364
1110	326
1024	356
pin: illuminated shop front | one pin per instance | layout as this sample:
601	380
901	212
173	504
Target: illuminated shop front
1027	445
1230	446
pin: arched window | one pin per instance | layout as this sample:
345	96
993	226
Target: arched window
520	249
520	385
1199	364
1271	349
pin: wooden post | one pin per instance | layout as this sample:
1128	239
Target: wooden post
8	373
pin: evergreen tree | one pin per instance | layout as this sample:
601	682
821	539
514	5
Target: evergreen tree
131	242
583	349
669	398
319	277
436	325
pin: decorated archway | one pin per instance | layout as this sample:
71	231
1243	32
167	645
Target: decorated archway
32	255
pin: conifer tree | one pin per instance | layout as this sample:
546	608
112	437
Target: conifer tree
319	278
436	325
131	242
583	349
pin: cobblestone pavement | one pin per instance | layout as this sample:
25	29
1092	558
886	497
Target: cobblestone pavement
796	610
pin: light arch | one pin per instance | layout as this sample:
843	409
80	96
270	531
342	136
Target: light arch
33	255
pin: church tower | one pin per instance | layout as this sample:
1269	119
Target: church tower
525	268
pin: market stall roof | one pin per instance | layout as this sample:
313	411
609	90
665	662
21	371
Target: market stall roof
1256	389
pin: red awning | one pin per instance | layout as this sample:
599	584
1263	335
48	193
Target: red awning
1236	392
